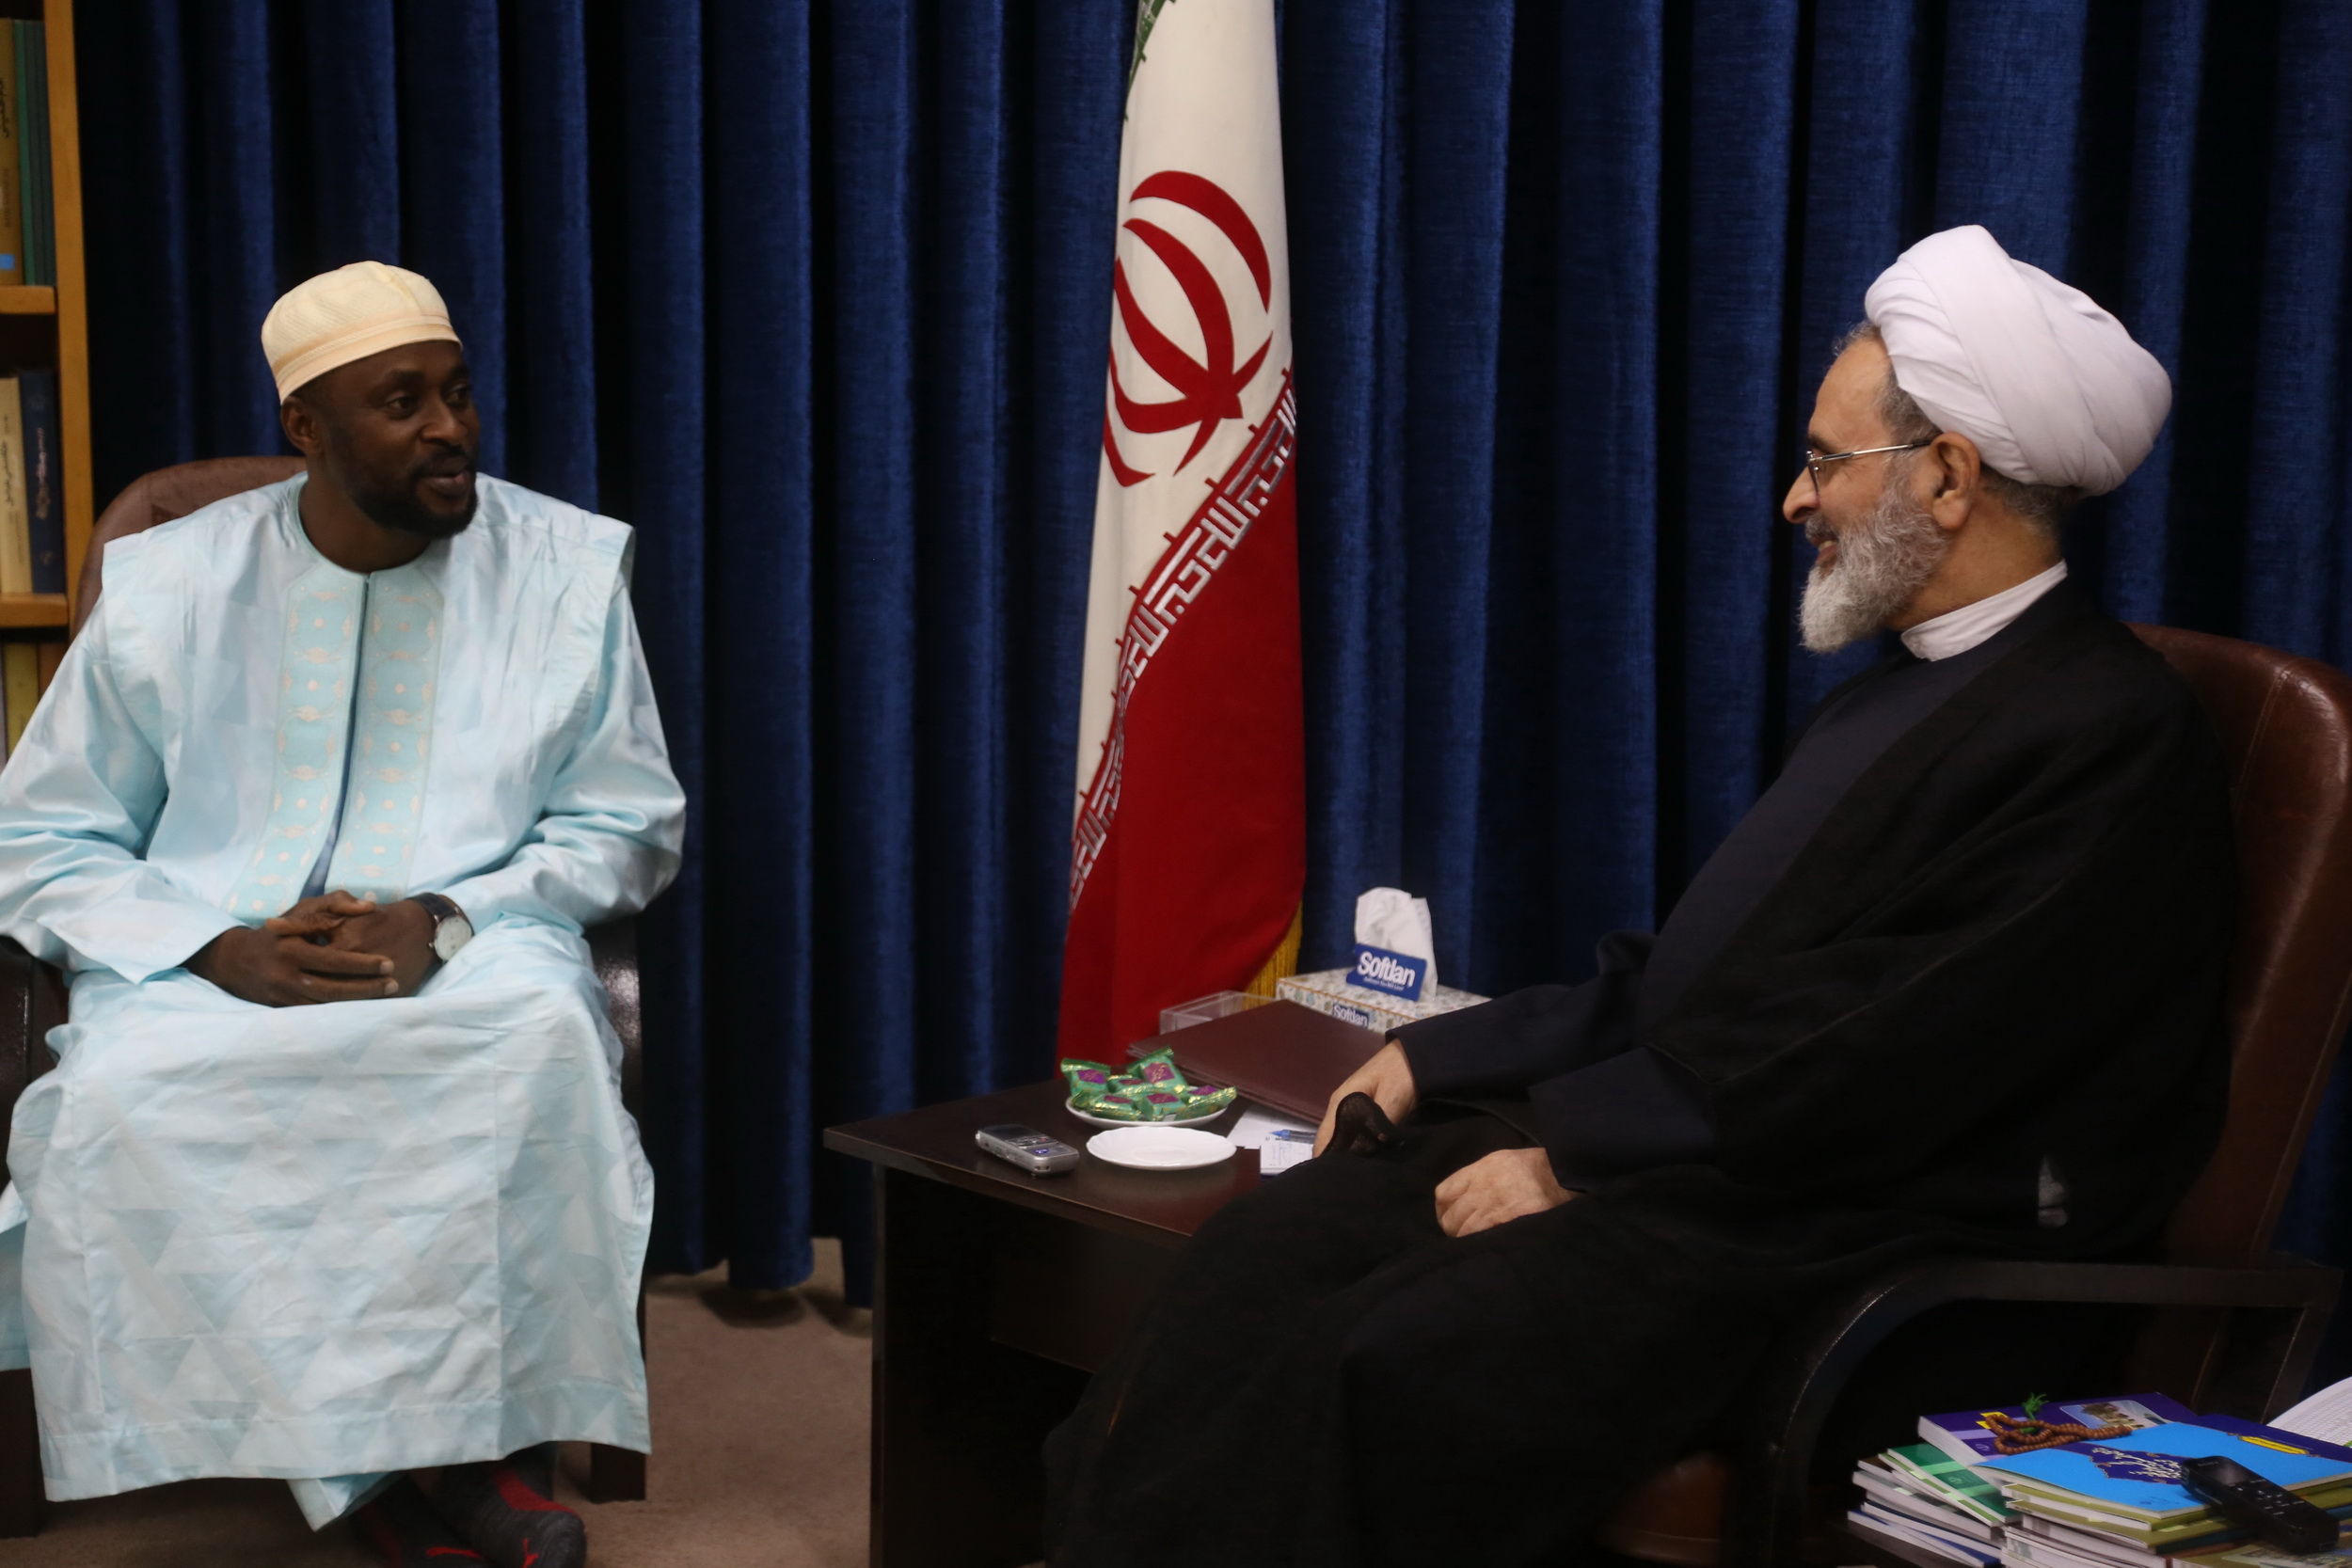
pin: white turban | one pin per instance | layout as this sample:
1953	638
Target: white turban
348	315
2049	387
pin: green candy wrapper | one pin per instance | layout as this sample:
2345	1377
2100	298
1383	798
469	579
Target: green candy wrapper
1150	1089
1194	1102
1089	1081
1205	1099
1158	1069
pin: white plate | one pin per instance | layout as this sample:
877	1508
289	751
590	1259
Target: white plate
1159	1147
1093	1120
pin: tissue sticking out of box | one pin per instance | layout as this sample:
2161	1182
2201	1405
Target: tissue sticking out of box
1395	954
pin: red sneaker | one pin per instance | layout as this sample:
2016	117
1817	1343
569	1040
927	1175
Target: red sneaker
506	1510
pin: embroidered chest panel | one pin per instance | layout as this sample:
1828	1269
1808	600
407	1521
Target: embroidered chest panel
357	673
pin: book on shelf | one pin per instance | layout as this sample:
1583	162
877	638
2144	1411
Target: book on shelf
11	169
16	538
30	78
44	493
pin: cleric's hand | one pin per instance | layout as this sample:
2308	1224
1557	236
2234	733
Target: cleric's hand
1504	1185
288	961
1387	1078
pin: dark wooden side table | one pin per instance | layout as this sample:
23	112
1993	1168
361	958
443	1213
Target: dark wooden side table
995	1293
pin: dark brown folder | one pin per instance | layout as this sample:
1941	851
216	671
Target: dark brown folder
1281	1056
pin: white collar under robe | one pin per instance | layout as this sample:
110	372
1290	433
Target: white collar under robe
1956	631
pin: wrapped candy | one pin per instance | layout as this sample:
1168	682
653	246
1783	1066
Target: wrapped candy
1152	1089
1158	1069
1089	1081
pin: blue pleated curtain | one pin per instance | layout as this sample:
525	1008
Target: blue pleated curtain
815	296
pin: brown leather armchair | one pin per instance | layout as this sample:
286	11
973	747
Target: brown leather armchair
2237	1327
33	994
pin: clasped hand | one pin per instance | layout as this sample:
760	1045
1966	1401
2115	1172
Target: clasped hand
332	948
1504	1185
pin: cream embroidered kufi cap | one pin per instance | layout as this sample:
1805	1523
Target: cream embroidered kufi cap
348	315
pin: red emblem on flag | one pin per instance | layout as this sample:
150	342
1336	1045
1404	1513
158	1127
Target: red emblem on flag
1208	389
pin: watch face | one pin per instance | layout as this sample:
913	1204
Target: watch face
449	936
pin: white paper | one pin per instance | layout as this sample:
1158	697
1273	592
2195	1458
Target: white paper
1257	1122
2326	1414
1281	1154
1392	918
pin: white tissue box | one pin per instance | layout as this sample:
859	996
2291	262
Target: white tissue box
1327	991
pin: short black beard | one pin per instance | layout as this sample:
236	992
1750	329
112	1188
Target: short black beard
399	510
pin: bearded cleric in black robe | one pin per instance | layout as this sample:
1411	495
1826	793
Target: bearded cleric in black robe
1953	985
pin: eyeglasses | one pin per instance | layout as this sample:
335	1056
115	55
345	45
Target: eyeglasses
1814	461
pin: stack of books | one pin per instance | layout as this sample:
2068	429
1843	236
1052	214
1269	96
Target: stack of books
1942	1504
2101	1492
2118	1502
1921	1496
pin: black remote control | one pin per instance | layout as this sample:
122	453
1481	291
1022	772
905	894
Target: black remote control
2276	1516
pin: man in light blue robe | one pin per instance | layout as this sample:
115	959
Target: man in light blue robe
403	1229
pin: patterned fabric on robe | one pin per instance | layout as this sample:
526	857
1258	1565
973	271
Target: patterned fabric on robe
321	1241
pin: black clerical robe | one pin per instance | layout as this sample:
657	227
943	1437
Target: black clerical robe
1970	949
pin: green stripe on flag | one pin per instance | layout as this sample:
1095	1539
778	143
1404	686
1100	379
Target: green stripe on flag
1147	12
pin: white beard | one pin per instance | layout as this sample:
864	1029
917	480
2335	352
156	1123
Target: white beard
1883	560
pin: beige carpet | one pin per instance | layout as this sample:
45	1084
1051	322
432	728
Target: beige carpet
760	1423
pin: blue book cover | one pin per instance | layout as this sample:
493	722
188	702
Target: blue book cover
44	493
2139	1472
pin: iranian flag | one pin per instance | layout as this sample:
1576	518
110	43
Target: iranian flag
1189	848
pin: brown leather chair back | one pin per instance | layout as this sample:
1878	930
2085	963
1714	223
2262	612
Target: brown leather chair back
2286	729
168	493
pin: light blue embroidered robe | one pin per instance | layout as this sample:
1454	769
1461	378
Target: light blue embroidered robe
368	1236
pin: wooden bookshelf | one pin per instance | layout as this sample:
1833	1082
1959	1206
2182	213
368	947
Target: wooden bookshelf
71	305
19	611
45	325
